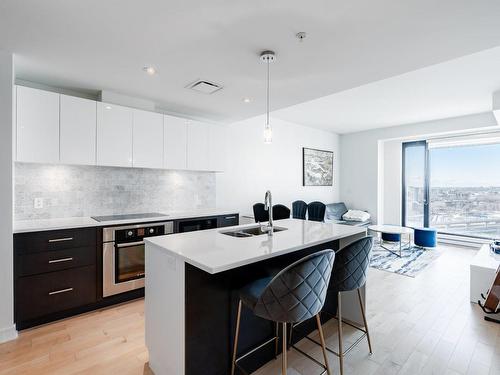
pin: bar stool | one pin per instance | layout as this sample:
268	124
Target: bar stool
349	274
295	294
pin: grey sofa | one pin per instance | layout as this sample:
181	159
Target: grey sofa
334	212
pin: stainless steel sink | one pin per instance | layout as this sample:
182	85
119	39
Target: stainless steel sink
249	231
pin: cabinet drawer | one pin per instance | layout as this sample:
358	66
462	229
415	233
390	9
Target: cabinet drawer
40	295
49	261
54	240
228	220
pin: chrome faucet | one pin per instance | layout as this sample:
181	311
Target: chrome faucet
268	206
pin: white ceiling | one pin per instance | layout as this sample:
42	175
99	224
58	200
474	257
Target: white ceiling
454	88
94	45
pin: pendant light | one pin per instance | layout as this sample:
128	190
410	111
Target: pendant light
268	57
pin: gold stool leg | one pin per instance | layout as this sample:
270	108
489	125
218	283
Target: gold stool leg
339	315
276	340
283	355
364	321
236	337
323	346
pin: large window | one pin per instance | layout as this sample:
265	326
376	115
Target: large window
458	189
415	186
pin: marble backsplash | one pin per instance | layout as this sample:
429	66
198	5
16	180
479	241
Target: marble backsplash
73	191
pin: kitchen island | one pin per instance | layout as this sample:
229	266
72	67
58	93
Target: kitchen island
192	288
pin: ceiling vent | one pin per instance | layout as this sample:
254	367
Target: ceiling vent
204	87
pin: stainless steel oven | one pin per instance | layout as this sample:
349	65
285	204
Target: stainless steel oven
123	255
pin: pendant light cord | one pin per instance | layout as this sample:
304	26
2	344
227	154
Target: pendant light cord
268	83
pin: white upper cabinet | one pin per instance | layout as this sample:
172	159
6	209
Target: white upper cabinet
37	117
78	131
218	148
148	139
198	146
175	142
53	128
114	135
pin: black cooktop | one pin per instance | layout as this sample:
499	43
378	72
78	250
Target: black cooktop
148	215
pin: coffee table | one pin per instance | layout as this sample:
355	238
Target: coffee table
394	229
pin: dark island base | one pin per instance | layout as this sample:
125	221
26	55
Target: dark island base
211	307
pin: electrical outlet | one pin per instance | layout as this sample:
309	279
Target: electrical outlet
38	203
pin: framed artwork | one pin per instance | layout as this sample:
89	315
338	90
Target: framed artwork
317	167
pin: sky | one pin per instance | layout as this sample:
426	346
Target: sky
464	166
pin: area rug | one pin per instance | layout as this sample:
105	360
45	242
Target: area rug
412	262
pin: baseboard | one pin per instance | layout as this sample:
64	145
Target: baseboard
8	333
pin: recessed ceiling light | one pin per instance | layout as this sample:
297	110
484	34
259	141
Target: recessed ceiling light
301	36
108	107
246	100
149	70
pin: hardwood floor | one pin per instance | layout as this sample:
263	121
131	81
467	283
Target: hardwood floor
109	341
422	325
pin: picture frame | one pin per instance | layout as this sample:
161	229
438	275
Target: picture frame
317	167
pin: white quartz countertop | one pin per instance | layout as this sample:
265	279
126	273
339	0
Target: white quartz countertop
24	226
214	252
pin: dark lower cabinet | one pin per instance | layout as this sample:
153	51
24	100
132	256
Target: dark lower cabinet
36	242
50	261
55	274
58	273
51	292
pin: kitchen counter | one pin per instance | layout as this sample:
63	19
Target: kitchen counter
220	252
25	226
193	285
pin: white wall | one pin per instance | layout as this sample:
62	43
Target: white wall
391	152
254	167
7	329
362	171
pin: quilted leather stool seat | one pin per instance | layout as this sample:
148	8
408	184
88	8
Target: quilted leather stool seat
295	294
250	293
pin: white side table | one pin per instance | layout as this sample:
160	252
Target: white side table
483	268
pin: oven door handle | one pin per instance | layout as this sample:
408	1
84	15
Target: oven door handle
129	244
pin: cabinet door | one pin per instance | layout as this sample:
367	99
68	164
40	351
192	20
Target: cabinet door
37	125
198	146
148	139
78	130
218	148
114	135
175	142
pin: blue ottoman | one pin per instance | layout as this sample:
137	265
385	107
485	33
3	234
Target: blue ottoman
391	237
425	237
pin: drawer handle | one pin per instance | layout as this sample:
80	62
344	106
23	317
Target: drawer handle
130	244
61	239
60	260
230	217
60	291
